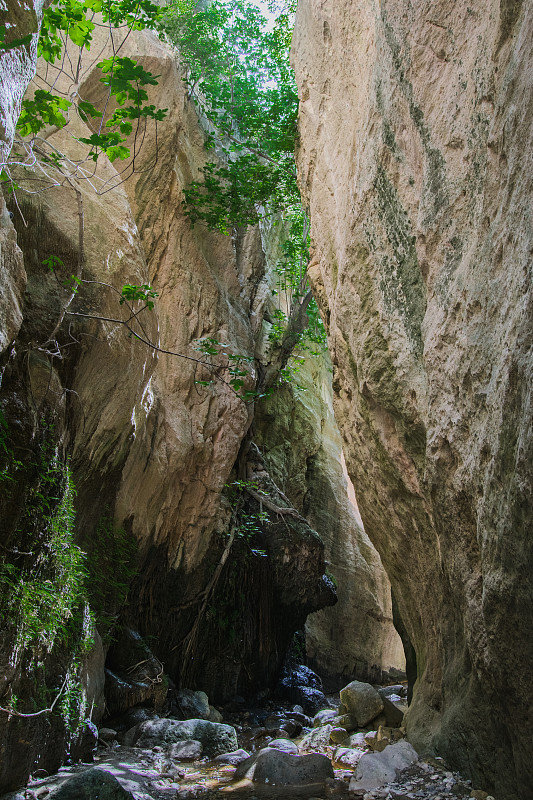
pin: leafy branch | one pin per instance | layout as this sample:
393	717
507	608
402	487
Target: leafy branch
72	22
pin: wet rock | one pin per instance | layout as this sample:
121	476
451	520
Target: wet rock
345	721
91	784
323	717
285	745
362	701
300	717
185	751
273	722
303	686
233	759
302	676
215	738
376	769
356	740
277	768
192	705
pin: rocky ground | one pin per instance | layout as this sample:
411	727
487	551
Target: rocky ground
273	751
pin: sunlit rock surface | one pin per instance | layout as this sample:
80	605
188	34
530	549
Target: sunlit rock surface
416	135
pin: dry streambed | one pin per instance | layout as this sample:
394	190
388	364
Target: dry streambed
350	751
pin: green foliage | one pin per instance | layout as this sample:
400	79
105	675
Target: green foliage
238	73
230	195
234	368
126	80
41	602
45	109
132	293
73	19
249	523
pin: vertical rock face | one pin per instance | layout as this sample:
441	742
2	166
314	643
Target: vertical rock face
150	448
416	135
301	443
17	68
22	22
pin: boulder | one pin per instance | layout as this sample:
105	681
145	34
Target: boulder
291	727
311	700
345	721
233	759
282	769
190	750
323	717
302	676
316	739
273	722
192	705
285	745
299	716
215	738
396	689
356	740
376	769
91	784
393	714
303	686
107	734
338	735
378	740
215	715
363	702
347	756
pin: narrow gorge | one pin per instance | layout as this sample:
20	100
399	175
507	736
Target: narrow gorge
251	461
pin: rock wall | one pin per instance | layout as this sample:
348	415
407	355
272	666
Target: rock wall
416	135
297	433
150	450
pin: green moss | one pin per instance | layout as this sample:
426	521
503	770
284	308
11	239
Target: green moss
41	598
390	140
435	194
401	282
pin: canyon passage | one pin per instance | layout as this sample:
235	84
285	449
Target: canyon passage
265	400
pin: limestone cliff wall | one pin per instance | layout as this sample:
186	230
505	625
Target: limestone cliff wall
150	449
415	160
297	433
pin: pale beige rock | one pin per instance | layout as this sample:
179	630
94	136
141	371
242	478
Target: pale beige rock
416	130
302	446
12	277
362	701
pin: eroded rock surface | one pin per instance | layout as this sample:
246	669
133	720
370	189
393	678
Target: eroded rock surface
416	125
